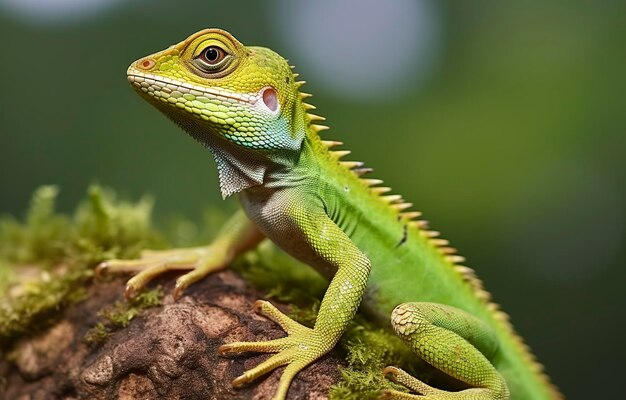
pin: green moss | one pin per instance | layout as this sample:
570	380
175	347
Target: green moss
369	349
98	334
107	228
40	238
40	302
46	261
121	313
280	276
7	276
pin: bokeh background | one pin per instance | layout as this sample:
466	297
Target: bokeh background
505	122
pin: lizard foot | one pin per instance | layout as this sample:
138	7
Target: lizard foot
299	348
427	392
199	261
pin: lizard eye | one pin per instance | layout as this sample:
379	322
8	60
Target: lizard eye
213	55
214	61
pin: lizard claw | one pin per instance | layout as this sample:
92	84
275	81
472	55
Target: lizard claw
240	381
130	291
101	270
178	290
257	306
391	372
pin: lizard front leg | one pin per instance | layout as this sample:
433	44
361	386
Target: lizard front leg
452	341
303	345
237	236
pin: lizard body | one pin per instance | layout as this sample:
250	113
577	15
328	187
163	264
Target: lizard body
245	105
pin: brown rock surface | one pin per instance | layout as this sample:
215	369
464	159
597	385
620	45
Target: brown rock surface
168	352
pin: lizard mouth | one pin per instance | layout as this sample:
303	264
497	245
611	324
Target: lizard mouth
207	102
167	88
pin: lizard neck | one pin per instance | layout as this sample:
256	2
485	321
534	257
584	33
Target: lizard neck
277	169
238	168
241	169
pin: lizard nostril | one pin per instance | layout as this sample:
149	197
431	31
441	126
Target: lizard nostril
270	98
146	63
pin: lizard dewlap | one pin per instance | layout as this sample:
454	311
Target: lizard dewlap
245	106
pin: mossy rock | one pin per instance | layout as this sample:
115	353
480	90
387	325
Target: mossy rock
58	324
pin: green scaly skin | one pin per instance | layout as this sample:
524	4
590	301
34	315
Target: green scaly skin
244	105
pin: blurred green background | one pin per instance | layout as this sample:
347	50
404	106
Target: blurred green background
505	122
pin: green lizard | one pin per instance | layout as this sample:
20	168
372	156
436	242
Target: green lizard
245	105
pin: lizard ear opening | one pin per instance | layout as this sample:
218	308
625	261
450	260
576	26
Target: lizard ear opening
270	99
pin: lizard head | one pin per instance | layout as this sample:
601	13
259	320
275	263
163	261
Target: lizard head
215	87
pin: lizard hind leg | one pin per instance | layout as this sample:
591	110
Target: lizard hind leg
453	341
